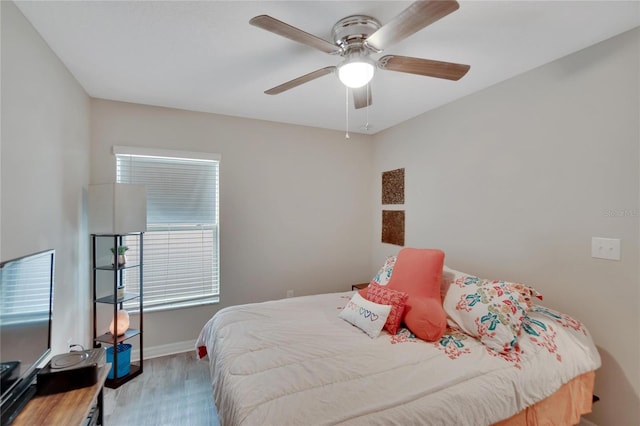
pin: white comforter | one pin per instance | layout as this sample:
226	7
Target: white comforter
295	362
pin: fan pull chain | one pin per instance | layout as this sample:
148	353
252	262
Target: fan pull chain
366	125
346	136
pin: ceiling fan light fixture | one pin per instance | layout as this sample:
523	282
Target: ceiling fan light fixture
356	72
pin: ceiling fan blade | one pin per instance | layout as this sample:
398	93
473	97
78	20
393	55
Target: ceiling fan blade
428	67
362	96
300	80
412	19
268	23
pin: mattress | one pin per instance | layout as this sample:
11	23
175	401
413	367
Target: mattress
295	362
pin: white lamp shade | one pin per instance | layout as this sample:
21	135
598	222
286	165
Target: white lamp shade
117	208
355	74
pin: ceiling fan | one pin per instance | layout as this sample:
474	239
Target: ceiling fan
356	37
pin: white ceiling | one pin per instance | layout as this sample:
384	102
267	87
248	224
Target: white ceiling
204	55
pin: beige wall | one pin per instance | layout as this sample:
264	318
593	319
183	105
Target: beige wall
45	169
295	203
513	182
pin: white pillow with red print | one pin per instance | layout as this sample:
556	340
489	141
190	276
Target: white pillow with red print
491	310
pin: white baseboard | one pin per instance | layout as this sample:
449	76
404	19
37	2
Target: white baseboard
163	350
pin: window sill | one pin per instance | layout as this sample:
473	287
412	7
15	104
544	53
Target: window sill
189	304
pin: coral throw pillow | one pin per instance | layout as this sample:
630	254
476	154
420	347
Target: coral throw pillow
418	273
385	296
426	319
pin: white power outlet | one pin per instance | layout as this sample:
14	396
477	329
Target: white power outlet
289	293
605	248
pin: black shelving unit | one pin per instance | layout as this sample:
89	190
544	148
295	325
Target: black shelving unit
106	268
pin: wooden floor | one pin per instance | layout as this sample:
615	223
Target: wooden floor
172	390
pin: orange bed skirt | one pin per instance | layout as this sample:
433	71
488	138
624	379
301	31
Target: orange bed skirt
564	407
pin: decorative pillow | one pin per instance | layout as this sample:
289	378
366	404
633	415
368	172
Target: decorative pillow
367	316
448	276
490	310
385	296
526	292
418	272
427	318
384	274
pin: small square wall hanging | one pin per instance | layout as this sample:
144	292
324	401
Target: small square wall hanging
393	227
393	187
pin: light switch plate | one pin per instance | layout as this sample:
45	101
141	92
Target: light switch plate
605	248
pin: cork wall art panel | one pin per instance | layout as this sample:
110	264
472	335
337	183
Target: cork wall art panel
393	187
393	227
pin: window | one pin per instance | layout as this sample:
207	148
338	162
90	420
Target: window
25	290
181	249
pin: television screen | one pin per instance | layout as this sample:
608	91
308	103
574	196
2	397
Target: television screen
26	302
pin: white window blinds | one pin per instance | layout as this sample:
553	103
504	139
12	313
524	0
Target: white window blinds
181	262
25	290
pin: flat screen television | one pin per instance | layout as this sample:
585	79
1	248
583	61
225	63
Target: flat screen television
26	306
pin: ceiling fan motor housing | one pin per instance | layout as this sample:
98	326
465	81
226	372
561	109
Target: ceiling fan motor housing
350	33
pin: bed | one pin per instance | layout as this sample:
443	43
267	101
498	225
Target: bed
298	362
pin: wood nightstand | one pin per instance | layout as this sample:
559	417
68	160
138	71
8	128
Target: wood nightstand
359	286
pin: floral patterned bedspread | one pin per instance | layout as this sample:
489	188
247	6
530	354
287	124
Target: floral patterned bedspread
536	330
294	362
